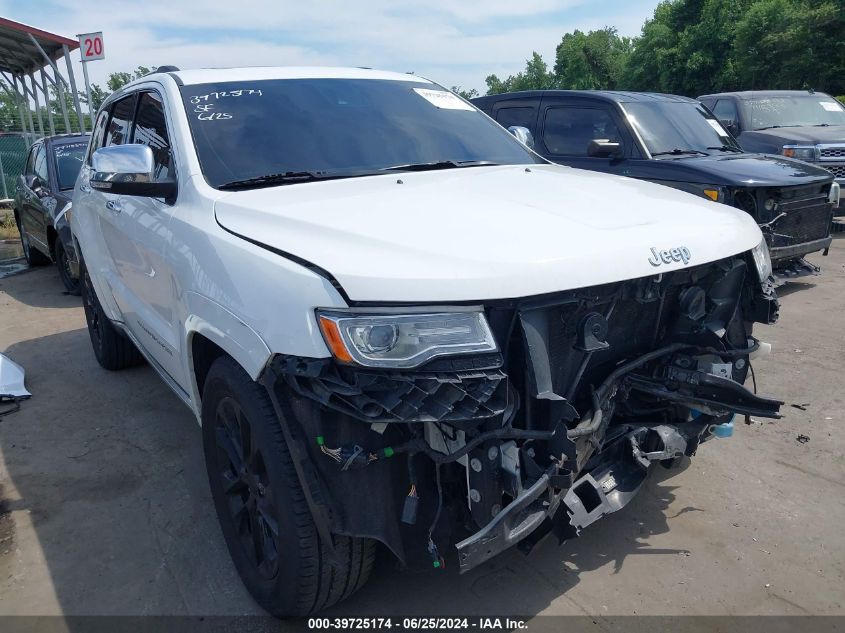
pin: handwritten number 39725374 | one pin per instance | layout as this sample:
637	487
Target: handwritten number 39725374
204	106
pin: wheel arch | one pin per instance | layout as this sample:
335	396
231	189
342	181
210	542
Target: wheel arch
212	331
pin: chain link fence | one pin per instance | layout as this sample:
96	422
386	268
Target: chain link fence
13	152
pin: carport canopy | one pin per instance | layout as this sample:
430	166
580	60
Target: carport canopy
26	51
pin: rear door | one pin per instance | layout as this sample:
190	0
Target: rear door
116	257
521	112
568	124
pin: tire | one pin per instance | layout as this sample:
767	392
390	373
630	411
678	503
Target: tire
262	510
71	283
113	350
33	256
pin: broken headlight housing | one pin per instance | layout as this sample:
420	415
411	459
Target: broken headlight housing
404	341
762	260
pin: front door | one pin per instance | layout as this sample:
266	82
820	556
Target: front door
567	126
150	284
32	211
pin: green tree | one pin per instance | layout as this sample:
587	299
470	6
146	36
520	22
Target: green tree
117	80
591	61
466	94
792	44
536	76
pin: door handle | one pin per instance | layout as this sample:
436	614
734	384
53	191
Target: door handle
114	205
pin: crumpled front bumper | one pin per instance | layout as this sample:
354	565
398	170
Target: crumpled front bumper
614	477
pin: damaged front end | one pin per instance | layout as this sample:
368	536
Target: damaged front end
519	417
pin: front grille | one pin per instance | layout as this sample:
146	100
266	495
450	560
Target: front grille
803	225
381	396
837	169
832	152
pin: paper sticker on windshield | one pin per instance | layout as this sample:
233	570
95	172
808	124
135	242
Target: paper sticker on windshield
830	106
717	126
443	99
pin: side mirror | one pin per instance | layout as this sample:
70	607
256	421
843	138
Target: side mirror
604	148
32	182
128	170
523	135
730	125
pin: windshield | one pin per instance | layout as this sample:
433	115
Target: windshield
69	158
336	128
669	126
794	111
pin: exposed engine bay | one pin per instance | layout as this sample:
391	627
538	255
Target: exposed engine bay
588	389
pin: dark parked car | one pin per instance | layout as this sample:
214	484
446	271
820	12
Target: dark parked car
42	204
677	142
797	123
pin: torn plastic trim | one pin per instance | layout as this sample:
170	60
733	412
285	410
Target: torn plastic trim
622	467
12	380
700	389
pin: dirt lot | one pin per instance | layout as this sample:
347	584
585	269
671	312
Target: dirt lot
106	510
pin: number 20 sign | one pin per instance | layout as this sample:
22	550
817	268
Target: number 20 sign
91	46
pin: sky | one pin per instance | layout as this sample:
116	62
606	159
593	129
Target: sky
452	42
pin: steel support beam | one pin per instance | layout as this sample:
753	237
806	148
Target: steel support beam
20	101
47	101
57	82
73	89
37	107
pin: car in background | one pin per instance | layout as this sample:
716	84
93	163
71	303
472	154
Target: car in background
796	123
43	200
675	141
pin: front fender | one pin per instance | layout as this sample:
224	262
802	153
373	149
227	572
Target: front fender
227	331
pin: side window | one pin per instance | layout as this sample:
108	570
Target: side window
523	116
569	130
97	136
725	110
120	124
30	159
40	168
151	130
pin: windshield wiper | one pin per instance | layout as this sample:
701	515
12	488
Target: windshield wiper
727	148
679	152
774	127
442	164
288	177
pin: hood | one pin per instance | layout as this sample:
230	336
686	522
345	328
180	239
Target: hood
750	170
780	136
483	233
809	134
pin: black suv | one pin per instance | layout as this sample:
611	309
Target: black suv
797	123
677	142
42	203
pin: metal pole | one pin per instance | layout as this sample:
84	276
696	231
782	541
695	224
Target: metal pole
37	107
91	108
47	101
27	108
60	94
3	177
73	89
20	109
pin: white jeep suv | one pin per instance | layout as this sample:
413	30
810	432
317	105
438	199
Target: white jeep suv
396	323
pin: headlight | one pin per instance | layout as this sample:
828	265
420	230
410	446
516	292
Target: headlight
801	152
762	260
833	196
404	341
